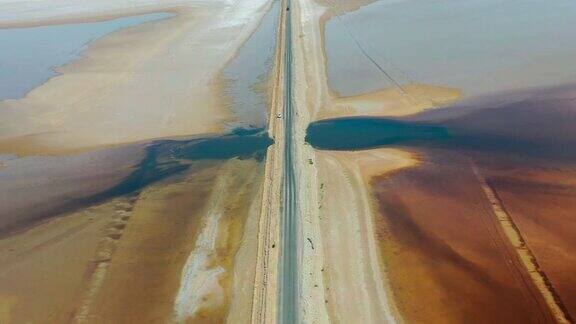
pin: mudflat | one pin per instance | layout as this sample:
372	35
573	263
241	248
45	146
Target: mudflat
447	259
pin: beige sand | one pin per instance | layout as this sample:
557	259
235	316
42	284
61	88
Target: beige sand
347	233
155	80
133	85
265	290
390	102
43	271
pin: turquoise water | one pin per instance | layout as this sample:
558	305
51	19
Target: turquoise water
247	73
479	46
365	133
168	157
28	56
537	128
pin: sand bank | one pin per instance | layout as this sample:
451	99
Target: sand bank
16	14
265	290
414	98
136	84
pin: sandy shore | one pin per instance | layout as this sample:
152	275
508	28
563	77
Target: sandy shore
135	84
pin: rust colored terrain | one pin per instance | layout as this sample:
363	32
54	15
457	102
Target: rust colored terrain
447	259
484	229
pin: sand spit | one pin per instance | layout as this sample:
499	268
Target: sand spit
391	102
347	233
136	84
446	256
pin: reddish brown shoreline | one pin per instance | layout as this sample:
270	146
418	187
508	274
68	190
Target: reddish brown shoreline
445	259
448	258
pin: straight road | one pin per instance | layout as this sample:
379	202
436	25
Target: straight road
288	308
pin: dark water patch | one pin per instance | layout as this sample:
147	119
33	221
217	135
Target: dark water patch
162	159
168	157
542	129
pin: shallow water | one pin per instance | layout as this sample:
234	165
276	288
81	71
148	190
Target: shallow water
478	46
45	186
248	72
28	56
539	128
168	157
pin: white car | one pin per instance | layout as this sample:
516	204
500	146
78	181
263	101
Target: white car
279	115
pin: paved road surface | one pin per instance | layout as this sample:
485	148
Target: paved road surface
288	310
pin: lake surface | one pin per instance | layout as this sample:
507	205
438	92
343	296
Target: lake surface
246	75
167	157
540	128
478	46
28	56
